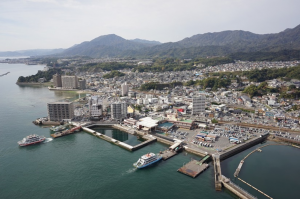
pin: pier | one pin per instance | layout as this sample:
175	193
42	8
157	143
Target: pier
149	139
218	174
194	167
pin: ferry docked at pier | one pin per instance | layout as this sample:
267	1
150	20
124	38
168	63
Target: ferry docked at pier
147	160
31	139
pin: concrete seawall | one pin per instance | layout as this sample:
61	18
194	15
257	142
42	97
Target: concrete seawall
242	147
193	151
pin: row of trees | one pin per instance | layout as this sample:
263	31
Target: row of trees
40	74
113	74
213	83
159	86
108	66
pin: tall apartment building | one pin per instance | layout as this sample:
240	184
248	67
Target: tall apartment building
124	89
95	107
58	111
198	104
69	82
118	110
82	84
57	80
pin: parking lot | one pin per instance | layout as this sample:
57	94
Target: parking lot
219	139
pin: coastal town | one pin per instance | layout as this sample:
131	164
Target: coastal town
142	99
170	107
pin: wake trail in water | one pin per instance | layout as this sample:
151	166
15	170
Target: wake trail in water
129	171
48	140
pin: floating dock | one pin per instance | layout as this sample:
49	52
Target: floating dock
66	132
194	167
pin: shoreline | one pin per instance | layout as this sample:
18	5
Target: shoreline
34	83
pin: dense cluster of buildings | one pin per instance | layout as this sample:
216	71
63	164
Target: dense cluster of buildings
119	99
68	82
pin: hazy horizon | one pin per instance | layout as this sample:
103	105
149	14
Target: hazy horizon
54	24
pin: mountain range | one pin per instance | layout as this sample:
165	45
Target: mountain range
200	45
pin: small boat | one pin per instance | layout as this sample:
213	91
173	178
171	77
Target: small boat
31	139
146	160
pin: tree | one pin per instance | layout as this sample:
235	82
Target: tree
21	79
214	121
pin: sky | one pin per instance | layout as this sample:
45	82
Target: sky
50	24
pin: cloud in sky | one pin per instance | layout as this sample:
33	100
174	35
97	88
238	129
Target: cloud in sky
34	24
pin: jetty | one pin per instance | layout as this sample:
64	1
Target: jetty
255	188
4	74
237	171
217	170
194	167
149	138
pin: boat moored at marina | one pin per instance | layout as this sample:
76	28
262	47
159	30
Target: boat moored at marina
31	139
58	128
147	160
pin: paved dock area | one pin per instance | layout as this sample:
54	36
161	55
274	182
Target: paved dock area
193	168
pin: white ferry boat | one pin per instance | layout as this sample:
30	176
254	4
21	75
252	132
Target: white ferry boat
31	139
146	160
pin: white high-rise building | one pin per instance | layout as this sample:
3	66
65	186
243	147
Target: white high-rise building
118	110
125	89
95	107
198	104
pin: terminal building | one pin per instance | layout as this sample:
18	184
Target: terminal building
58	111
